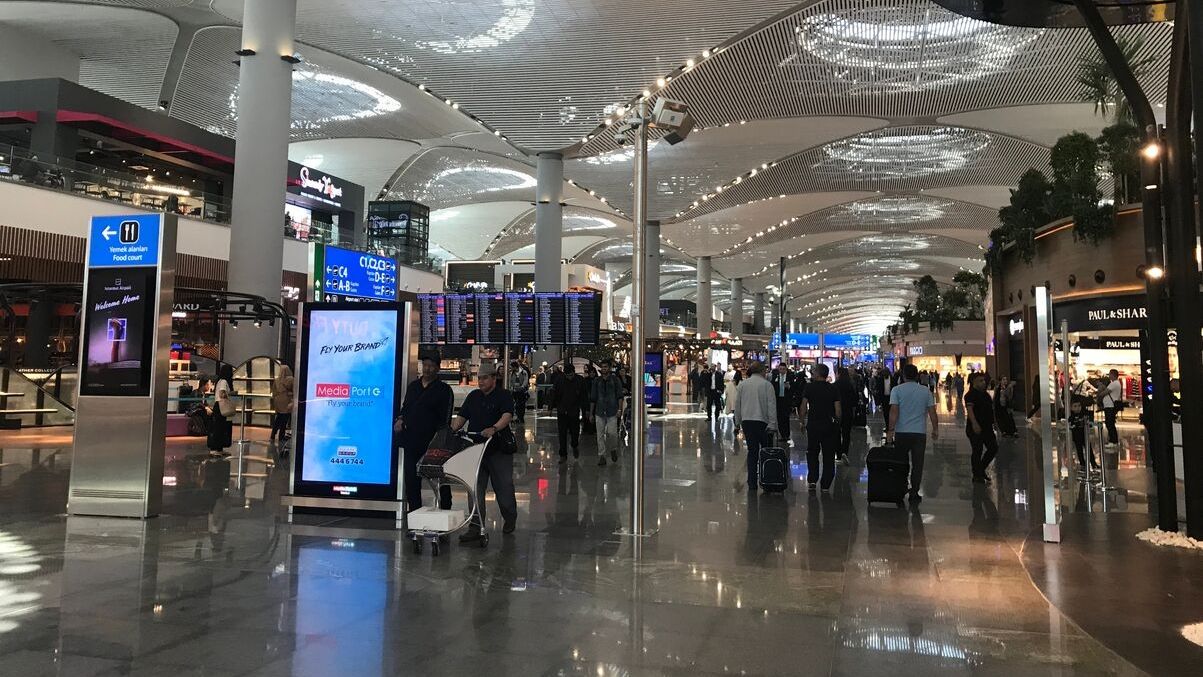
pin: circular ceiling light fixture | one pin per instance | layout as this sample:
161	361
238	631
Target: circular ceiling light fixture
881	244
909	46
515	17
902	152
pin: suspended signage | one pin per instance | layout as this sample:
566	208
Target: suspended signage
344	273
914	351
515	318
317	186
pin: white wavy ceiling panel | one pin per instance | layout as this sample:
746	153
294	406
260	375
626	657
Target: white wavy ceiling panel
109	61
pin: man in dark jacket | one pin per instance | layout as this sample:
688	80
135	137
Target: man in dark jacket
714	386
569	395
426	408
784	389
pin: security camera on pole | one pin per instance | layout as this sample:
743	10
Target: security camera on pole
672	116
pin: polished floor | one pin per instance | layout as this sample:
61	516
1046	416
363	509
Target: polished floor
731	583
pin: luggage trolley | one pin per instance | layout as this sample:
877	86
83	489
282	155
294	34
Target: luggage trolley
440	466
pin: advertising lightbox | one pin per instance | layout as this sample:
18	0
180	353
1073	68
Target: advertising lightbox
118	332
653	379
350	381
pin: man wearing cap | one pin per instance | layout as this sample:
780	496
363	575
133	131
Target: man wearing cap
426	408
485	411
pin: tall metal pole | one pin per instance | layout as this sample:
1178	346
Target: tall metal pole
1051	470
1158	427
1186	277
783	301
638	347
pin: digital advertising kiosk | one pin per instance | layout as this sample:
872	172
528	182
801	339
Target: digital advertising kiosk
354	361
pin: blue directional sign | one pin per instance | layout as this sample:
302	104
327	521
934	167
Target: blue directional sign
124	241
351	273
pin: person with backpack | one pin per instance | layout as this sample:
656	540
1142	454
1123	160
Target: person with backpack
605	402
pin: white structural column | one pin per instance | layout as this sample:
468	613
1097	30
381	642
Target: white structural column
614	270
261	167
758	313
651	273
705	305
549	221
737	306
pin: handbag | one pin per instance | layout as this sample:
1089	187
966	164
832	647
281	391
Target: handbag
226	407
505	438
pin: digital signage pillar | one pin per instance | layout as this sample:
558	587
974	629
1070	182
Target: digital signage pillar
355	360
125	344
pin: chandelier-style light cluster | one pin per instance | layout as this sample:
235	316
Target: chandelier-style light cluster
890	210
900	152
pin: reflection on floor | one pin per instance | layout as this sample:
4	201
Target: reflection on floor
732	583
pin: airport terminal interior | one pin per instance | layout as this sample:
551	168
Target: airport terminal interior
606	338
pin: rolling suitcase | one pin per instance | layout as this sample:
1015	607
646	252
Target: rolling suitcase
859	417
889	473
774	468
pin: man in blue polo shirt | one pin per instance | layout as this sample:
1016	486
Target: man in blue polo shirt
911	406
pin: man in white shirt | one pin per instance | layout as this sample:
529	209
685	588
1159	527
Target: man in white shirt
912	407
1113	394
756	415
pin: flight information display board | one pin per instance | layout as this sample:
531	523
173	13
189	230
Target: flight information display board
432	319
490	318
520	319
460	310
582	318
550	324
514	318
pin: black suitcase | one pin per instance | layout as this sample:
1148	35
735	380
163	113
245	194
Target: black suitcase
774	468
889	473
859	417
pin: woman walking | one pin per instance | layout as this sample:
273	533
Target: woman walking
282	402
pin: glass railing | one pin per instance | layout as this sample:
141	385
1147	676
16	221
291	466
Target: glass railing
62	384
80	178
23	404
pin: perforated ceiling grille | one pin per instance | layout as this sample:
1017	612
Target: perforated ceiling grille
577	221
446	177
897	159
902	60
101	36
542	72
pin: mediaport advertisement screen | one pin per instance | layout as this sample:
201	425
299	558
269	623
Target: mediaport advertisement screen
350	383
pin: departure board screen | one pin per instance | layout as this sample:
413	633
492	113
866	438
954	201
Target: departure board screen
432	319
516	318
520	319
582	318
549	318
490	318
461	318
